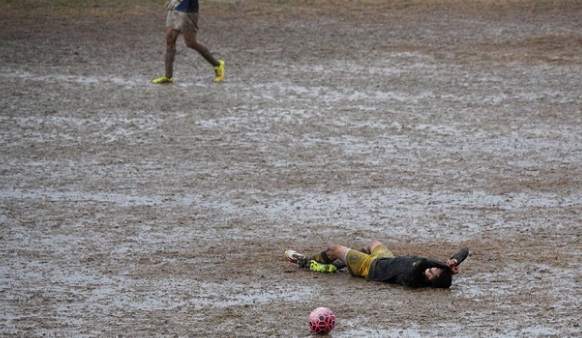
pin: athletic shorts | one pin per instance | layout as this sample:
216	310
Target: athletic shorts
183	22
359	263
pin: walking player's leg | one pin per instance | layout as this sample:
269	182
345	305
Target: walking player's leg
171	38
192	42
189	28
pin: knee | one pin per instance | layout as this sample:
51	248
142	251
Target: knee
373	245
333	248
191	42
335	251
171	38
170	43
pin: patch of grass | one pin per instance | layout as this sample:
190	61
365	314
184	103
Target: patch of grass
32	8
428	4
29	8
364	10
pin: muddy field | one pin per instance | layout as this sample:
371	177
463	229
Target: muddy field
130	209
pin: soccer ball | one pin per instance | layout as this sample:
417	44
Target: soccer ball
321	320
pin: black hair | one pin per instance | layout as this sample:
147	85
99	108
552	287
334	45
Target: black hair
442	280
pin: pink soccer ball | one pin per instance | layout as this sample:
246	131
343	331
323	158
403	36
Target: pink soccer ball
321	320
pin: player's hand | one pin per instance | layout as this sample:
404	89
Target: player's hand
453	265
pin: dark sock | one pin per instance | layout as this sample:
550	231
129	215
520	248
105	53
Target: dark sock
339	264
169	62
324	258
209	57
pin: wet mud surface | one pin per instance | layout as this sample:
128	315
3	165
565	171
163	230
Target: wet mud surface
129	209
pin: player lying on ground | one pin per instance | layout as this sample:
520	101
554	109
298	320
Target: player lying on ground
376	263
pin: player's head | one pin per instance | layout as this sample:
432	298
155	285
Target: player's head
439	278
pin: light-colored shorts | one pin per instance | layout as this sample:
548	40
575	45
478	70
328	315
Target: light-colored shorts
359	263
183	22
